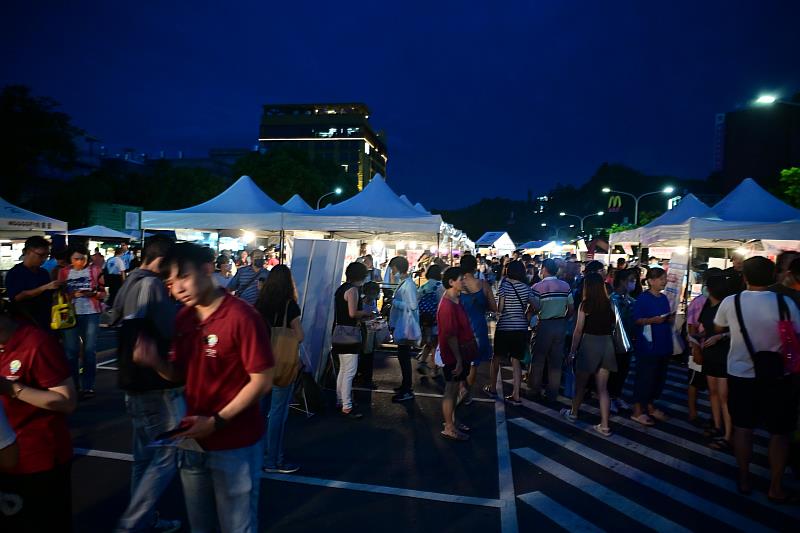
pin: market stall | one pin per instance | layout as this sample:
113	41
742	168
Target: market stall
497	243
16	225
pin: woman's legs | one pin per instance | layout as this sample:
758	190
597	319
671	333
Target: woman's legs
89	325
601	380
494	368
449	407
348	363
517	366
581	379
722	391
643	385
713	397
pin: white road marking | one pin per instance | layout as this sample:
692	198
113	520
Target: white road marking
558	513
505	473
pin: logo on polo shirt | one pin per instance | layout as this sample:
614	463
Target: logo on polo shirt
14	366
211	341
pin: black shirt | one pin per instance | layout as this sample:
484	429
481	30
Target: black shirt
35	310
274	317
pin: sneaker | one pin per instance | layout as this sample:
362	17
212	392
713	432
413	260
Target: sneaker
165	526
286	468
403	397
568	416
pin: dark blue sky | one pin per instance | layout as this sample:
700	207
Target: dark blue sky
477	98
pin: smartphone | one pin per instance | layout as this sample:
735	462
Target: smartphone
171	433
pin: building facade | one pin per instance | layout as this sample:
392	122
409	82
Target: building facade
339	133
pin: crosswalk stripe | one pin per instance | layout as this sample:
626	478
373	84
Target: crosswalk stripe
685	497
697	472
558	513
631	509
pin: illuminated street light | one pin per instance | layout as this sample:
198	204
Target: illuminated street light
766	99
666	190
582	218
337	191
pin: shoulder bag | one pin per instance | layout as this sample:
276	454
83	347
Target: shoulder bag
286	351
768	365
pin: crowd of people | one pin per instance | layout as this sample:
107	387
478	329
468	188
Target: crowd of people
208	360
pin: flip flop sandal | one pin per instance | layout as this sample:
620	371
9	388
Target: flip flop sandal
512	401
489	392
606	432
659	415
458	437
720	444
463	428
643	420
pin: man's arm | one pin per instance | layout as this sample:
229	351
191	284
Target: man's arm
61	398
200	427
33	293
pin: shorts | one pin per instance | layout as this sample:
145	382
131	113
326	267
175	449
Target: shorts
447	372
697	379
596	352
762	403
511	343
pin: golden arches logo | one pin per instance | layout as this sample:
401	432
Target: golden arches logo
614	204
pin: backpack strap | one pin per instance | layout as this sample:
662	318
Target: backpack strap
738	304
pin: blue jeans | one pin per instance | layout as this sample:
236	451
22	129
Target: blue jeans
152	413
280	399
86	329
221	488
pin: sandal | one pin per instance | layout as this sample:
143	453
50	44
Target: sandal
643	419
720	444
457	436
489	392
463	428
604	431
510	399
659	415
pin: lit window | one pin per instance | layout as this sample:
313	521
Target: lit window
366	147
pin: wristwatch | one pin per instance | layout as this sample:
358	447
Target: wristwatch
219	422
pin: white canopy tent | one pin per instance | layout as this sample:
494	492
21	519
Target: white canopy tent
100	232
16	222
373	211
688	208
499	241
242	206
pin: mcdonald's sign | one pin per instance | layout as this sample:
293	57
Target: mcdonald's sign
614	204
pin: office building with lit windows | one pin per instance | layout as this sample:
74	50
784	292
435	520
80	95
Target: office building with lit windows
339	133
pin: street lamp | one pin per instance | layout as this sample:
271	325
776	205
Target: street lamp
337	191
581	218
665	190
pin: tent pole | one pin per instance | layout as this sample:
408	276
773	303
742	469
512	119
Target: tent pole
438	243
280	253
688	291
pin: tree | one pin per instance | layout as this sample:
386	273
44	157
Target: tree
790	185
282	173
33	135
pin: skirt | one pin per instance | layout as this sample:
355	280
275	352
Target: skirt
596	352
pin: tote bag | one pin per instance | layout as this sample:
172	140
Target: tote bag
286	350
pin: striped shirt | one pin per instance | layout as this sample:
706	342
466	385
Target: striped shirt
245	285
552	298
516	297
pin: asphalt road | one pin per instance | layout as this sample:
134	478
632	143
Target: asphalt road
524	469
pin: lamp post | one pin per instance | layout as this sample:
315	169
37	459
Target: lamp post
665	190
582	218
337	191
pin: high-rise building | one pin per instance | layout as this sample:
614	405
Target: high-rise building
339	133
758	142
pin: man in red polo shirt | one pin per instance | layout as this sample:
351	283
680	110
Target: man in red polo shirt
222	351
37	394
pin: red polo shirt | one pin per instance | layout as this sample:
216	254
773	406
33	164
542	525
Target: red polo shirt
217	355
34	358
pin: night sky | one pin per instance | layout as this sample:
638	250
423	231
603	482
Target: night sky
476	98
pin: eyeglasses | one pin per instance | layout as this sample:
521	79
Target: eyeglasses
43	255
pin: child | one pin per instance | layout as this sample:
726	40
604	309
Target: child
370	301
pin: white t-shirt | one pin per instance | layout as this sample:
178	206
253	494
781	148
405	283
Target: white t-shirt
7	435
115	265
760	313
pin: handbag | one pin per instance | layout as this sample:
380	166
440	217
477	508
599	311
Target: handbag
406	325
286	350
62	312
768	366
622	343
789	342
346	334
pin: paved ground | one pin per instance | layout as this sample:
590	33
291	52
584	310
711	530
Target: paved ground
524	469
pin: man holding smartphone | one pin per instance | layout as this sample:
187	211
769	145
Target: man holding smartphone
222	351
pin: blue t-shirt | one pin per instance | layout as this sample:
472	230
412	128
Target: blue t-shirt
21	278
648	306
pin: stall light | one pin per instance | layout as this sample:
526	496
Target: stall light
412	245
262	248
681	250
742	251
248	237
401	245
377	244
